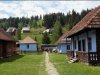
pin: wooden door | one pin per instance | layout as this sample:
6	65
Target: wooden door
4	49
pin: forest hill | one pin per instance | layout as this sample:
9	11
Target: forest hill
47	20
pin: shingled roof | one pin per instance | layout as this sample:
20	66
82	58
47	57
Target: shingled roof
28	40
91	20
5	36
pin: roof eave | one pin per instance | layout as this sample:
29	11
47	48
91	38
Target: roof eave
70	35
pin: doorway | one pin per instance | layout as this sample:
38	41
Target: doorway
4	49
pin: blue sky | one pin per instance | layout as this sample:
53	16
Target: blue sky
29	8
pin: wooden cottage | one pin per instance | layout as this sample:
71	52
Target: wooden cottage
7	45
25	30
50	31
11	31
85	37
28	45
63	44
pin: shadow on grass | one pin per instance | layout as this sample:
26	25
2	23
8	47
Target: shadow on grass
11	59
31	53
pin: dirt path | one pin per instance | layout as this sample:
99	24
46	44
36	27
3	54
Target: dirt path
51	70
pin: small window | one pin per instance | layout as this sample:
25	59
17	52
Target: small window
0	42
79	45
75	44
83	45
89	43
27	46
68	47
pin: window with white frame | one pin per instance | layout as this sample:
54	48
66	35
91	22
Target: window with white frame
27	46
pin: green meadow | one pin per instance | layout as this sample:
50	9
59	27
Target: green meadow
24	64
64	68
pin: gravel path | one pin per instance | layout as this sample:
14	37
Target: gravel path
51	70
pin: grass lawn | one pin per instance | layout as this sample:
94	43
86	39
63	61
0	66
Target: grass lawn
64	68
27	64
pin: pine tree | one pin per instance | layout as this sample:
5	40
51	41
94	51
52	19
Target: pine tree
35	38
46	39
57	30
34	23
19	31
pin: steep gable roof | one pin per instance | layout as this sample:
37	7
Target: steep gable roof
5	36
11	29
91	20
28	40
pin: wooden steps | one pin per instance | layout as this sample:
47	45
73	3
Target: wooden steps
73	60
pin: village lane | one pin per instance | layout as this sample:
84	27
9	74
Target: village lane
51	70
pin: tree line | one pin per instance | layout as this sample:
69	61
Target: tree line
51	20
48	20
68	20
34	21
59	20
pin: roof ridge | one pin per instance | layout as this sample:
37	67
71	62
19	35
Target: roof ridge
84	23
28	39
95	14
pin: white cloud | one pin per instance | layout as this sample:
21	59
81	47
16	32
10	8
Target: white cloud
4	15
29	8
79	5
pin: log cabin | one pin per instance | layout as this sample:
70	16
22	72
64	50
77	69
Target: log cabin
7	44
85	35
11	31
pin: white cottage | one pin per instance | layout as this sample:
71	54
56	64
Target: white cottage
28	44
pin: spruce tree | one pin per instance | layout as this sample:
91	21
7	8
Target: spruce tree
35	38
46	39
19	31
57	30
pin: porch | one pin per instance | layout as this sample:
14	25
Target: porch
70	54
86	57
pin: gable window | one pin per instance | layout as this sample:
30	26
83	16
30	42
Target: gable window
27	46
89	44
